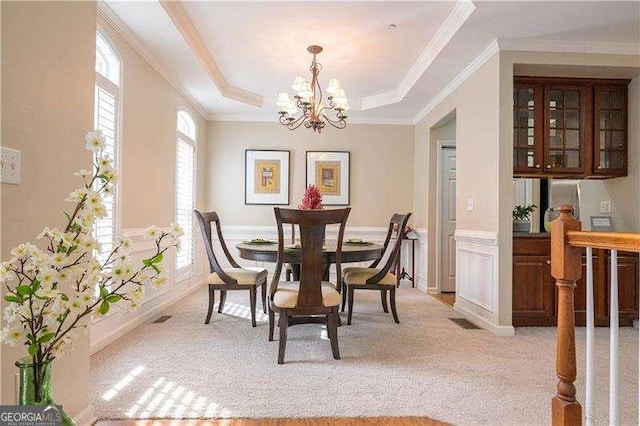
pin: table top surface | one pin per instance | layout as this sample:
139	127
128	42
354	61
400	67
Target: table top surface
350	252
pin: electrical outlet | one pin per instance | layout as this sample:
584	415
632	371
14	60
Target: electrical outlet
605	206
470	204
10	165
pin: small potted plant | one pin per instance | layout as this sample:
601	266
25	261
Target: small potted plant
521	215
312	199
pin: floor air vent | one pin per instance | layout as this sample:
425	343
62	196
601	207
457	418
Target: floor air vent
465	323
162	319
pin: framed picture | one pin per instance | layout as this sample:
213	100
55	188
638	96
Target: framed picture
329	171
266	178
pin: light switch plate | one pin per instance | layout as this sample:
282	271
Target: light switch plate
470	204
10	165
605	206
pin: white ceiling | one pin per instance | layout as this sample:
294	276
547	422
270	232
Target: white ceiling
221	54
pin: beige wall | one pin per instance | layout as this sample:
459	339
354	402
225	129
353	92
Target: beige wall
48	52
148	117
381	168
475	104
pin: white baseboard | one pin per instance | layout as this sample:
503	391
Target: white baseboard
86	417
136	321
500	330
421	283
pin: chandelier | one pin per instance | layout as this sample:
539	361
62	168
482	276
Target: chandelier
309	100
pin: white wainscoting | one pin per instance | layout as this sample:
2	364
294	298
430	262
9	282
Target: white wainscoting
477	279
422	254
120	321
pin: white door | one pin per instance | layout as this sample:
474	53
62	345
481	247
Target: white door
447	266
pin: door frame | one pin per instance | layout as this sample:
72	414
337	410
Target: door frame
441	145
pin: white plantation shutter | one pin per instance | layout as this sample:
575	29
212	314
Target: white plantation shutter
185	192
106	119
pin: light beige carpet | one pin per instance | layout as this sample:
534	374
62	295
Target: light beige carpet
425	366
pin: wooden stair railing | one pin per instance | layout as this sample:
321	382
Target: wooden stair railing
566	267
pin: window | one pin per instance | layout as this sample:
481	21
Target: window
185	187
106	113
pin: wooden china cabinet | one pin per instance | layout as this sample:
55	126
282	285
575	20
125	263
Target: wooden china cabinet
569	127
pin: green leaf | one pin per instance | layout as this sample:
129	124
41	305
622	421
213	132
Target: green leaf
36	285
147	262
62	249
13	299
113	298
46	337
104	307
33	349
156	268
64	297
157	258
103	292
24	290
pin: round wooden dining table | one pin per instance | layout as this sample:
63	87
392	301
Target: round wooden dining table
268	252
350	252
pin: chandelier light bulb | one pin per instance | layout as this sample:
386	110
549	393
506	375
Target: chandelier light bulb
298	82
340	97
291	110
305	91
334	86
283	100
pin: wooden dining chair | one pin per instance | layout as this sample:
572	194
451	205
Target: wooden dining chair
309	300
234	278
373	278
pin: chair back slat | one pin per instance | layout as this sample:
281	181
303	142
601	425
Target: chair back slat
395	222
312	225
204	221
399	222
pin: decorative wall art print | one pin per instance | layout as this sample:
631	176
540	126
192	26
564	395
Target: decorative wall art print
329	171
266	177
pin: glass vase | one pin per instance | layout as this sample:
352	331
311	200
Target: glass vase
35	386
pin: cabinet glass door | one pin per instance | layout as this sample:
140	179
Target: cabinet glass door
610	130
527	128
565	108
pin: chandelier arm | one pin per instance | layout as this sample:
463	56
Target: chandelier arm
338	124
294	124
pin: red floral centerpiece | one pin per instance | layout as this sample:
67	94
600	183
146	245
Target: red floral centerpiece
312	199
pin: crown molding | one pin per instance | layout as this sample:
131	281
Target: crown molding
470	69
555	46
110	17
274	119
180	18
458	16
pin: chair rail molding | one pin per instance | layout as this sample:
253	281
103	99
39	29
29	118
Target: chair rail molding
120	321
477	279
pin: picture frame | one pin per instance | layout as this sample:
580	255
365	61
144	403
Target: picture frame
330	172
266	178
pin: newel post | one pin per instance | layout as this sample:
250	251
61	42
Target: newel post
566	268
